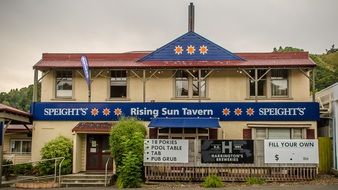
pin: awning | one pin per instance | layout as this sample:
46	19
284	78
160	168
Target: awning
184	123
93	127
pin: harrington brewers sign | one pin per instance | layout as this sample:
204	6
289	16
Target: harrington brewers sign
291	151
165	151
76	111
227	151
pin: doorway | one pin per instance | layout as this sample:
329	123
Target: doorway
98	152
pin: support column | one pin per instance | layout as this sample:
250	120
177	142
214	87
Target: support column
313	85
2	131
199	85
144	85
256	85
35	87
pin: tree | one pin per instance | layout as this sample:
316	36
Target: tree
126	142
287	49
19	98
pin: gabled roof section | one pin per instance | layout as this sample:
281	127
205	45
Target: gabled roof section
191	47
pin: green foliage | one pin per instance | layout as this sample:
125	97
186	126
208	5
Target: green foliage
7	170
255	180
18	98
327	70
126	142
212	181
287	49
58	147
332	49
23	169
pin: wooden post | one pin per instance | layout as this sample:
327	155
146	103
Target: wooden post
256	85
199	85
2	131
144	85
35	87
313	85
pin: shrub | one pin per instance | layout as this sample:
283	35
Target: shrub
126	142
212	181
255	180
7	170
23	169
58	147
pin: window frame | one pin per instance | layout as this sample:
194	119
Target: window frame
110	86
191	80
287	83
268	85
56	84
21	146
292	132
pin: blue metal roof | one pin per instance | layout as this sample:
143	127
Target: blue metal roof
191	47
184	123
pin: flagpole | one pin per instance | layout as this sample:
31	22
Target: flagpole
89	86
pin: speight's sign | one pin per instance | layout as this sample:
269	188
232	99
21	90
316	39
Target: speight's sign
225	111
227	151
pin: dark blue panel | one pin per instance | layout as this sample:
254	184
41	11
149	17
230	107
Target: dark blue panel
225	111
212	51
184	123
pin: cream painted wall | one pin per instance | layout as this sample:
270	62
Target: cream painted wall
44	131
222	86
16	158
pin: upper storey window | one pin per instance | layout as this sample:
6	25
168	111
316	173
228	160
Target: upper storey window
118	84
272	84
279	82
187	84
64	84
182	84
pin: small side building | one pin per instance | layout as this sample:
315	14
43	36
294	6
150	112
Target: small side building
327	126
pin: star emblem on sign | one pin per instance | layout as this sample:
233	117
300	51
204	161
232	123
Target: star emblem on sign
94	111
250	111
106	111
226	111
203	49
178	50
117	112
191	49
238	111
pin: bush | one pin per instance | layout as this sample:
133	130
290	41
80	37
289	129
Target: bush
58	147
126	142
23	169
255	180
212	181
7	170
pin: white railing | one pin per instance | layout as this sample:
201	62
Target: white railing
61	159
106	172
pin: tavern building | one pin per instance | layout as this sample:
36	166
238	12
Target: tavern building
190	88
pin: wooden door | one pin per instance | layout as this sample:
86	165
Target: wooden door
98	152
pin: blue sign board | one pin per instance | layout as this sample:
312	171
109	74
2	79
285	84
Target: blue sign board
225	111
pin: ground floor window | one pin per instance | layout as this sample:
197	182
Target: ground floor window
21	146
183	133
279	133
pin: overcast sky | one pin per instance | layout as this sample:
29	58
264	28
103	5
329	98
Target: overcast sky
29	28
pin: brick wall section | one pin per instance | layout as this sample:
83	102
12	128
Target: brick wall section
247	134
310	134
153	133
212	133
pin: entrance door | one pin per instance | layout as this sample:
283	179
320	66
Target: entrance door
98	152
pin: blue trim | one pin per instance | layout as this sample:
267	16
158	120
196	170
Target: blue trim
214	53
184	123
225	111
